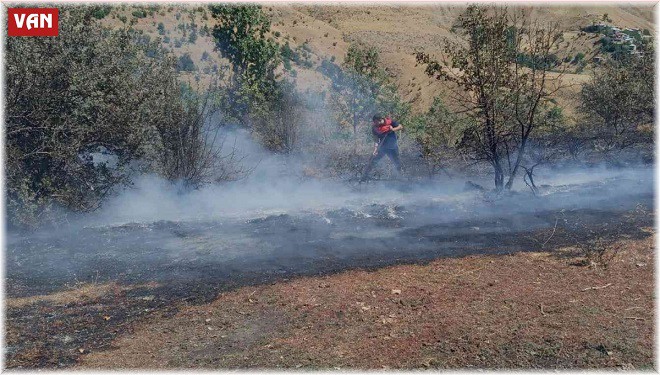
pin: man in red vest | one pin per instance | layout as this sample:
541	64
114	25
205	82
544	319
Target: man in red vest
385	143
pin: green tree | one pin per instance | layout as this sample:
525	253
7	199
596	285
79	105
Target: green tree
80	109
240	36
501	94
619	104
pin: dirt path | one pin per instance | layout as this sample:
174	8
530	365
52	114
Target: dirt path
526	310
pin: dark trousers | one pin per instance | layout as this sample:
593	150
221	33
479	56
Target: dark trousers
392	153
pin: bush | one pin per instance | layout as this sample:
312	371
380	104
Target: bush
192	38
75	132
139	14
161	28
185	63
101	11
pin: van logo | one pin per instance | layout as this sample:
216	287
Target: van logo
32	22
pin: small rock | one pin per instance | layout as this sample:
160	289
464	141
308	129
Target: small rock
396	291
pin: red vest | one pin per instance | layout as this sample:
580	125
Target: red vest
383	128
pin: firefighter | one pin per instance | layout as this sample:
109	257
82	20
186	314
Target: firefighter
385	143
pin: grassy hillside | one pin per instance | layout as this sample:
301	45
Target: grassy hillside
325	32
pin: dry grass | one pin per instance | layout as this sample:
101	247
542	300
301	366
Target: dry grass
527	310
395	29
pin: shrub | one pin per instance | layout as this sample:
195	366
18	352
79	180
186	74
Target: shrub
74	132
139	13
101	12
185	63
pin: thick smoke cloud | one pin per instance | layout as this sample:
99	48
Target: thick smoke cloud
278	185
277	222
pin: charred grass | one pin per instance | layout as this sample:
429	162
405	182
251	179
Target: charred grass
528	310
559	306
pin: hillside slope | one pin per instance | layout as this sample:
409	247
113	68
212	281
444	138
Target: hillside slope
396	30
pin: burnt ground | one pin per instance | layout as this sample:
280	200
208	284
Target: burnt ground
525	310
155	272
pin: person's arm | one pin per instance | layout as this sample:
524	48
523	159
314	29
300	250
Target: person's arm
396	126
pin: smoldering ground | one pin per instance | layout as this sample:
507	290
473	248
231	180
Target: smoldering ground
276	223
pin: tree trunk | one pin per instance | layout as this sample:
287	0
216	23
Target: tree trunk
519	157
499	176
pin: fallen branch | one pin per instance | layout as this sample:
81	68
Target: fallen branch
633	317
542	312
596	287
553	233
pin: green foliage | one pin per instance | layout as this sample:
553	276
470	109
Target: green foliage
240	36
185	63
361	87
619	103
100	12
578	58
82	108
140	13
438	132
161	28
617	51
